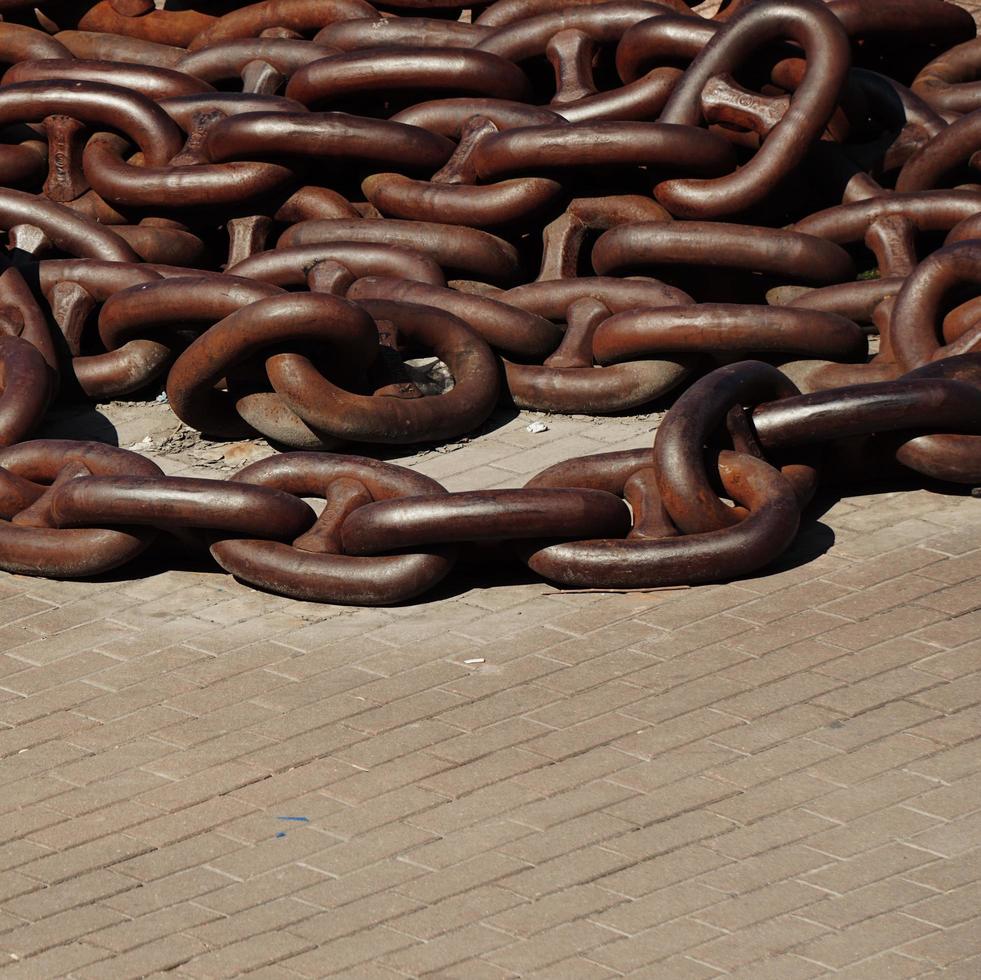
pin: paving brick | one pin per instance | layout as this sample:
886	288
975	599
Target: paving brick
763	940
16	710
446	950
60	961
954	600
461	845
957	727
164	892
257	950
336	892
589	704
497	707
119	675
685	795
587	864
873	599
28	940
309	703
771	798
874	758
494	768
952	800
652	741
867	937
693	606
642	877
430	735
564	806
162	954
66	655
659	906
143	720
259	826
55	726
841	911
790	756
783	966
957	569
890	859
668	835
566	770
947	632
790	630
33	902
949	946
483	870
796	599
910	532
168	860
17	607
271	916
223	778
573	968
121	787
776	728
949	909
883	626
951	839
214	752
372	910
340	858
482	903
683	698
947	874
949	765
864	695
341	955
786	573
852	802
864	833
483	804
885	966
182	824
134	754
297	843
863	729
91	826
131	933
806	655
31	821
705	632
750	874
101	853
627	663
770	832
653	945
551	946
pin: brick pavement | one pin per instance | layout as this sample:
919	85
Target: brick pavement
776	777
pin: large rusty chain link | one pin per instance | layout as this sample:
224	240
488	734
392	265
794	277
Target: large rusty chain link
766	221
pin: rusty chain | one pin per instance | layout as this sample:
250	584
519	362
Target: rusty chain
769	218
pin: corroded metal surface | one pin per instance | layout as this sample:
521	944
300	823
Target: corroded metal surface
277	211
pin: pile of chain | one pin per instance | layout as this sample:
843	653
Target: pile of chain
573	207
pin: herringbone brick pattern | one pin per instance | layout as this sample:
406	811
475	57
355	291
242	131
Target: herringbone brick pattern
777	777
